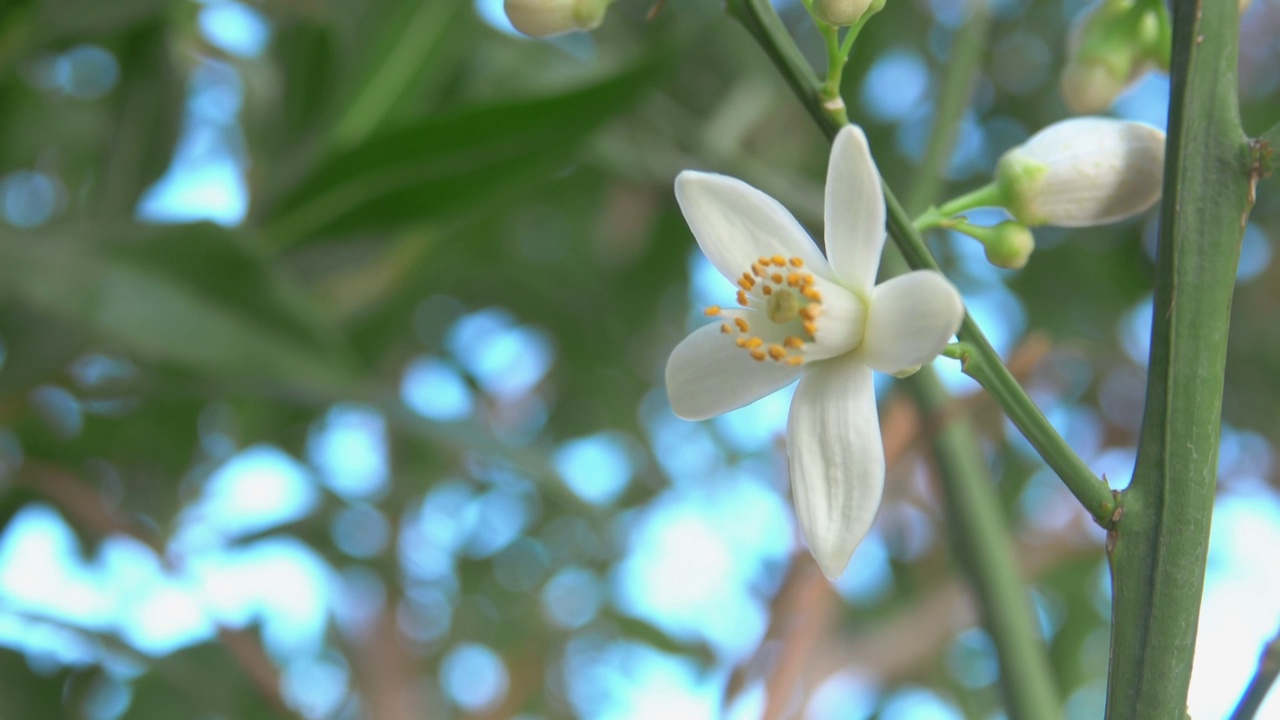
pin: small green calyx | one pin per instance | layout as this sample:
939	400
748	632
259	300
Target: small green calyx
783	307
1020	180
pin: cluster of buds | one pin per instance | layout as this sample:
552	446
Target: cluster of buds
1111	46
545	18
1074	173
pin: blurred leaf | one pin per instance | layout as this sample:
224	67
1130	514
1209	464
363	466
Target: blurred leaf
69	19
198	682
651	635
147	115
443	167
26	694
410	43
187	295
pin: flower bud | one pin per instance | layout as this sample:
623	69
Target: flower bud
1083	171
1009	245
544	18
840	12
1111	46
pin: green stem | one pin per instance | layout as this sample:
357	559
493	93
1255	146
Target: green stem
974	512
984	549
1268	669
1159	545
759	18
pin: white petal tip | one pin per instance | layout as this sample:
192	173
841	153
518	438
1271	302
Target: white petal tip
832	565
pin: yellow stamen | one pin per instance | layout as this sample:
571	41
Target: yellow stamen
725	328
793	279
810	293
742	324
757	270
794	343
712	311
797	262
811	328
764	261
754	343
742	298
776	278
747	283
767	289
740	342
758	355
777	352
809	312
795	360
779	261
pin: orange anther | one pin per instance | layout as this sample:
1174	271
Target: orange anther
740	342
758	355
794	343
757	270
747	283
797	262
793	279
742	324
764	261
811	328
779	260
809	312
712	311
754	343
795	360
767	289
725	328
776	278
742	297
812	294
777	352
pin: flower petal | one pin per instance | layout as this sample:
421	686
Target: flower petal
912	317
855	214
736	224
708	375
837	459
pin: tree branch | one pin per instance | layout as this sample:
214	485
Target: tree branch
1268	669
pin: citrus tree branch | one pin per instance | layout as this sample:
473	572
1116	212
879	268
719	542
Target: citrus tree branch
1159	544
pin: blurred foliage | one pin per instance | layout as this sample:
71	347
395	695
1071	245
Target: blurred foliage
406	164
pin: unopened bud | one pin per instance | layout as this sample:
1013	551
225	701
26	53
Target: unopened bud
1083	171
840	12
544	18
1009	245
1110	46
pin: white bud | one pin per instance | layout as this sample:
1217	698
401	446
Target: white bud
544	18
840	12
1083	171
1091	86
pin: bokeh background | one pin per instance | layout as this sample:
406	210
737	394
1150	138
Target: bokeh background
331	351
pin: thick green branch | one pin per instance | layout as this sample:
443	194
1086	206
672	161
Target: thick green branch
763	23
1158	547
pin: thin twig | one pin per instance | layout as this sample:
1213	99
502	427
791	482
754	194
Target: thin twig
1268	669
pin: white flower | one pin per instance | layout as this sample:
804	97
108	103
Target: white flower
820	319
1083	171
544	18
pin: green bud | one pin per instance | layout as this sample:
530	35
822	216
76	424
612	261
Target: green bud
1009	245
1110	46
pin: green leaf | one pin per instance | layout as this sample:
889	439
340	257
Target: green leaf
444	167
411	44
147	116
198	682
27	694
188	295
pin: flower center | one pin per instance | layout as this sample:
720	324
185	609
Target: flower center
785	295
